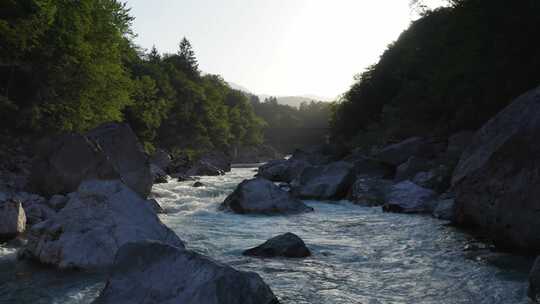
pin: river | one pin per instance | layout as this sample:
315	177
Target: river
360	255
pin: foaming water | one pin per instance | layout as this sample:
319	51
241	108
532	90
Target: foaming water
360	255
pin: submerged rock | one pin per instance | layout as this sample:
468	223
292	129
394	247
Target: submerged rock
153	272
262	196
98	219
198	184
12	219
286	245
497	180
328	182
407	197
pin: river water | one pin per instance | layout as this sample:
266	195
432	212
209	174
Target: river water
360	255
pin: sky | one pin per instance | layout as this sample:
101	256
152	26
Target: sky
276	47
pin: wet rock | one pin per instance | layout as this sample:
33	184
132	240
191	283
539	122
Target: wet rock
158	175
98	219
198	185
154	204
152	272
287	245
497	179
329	182
534	282
444	210
12	219
369	191
111	151
262	196
283	170
407	197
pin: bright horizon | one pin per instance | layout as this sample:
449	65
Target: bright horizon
276	47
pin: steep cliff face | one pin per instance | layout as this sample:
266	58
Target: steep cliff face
497	181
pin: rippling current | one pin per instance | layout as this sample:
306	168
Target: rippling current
360	255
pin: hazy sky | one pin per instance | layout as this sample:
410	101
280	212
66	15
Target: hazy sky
276	47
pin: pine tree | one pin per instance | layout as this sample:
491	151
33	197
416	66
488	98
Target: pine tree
188	58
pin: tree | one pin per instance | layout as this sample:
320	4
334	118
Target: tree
188	58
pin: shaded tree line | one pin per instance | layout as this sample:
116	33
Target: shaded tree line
71	65
452	69
288	127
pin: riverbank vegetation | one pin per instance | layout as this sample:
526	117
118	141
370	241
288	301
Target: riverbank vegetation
451	70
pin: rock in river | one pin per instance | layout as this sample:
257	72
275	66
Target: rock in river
261	196
407	197
287	245
153	272
327	182
97	220
497	180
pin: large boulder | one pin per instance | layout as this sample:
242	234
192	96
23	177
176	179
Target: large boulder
287	245
457	143
12	219
497	181
152	272
437	178
534	282
316	155
126	155
327	182
262	196
202	168
369	191
217	159
282	170
411	167
254	154
158	175
407	197
96	221
368	166
109	152
162	159
445	210
397	154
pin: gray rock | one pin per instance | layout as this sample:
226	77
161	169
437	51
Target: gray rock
458	142
437	178
162	159
154	204
126	155
534	282
287	245
368	166
329	182
152	272
409	169
95	223
217	159
283	170
12	219
198	184
58	202
407	197
202	168
315	156
108	152
369	191
399	153
444	210
158	175
497	179
264	197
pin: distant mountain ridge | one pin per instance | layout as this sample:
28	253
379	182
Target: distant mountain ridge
293	101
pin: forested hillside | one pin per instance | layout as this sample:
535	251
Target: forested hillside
453	69
71	65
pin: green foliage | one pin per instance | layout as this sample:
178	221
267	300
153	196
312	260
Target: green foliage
452	69
71	65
